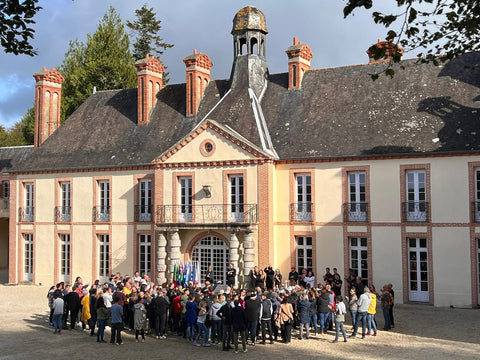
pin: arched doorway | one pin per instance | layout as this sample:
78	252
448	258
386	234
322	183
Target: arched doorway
212	250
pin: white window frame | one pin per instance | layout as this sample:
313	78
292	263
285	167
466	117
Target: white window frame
359	256
145	254
103	200
416	188
103	257
185	197
65	257
212	250
477	195
236	196
357	207
65	201
303	197
145	200
304	252
28	257
28	201
419	270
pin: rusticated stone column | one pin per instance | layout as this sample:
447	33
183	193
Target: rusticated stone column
248	256
161	257
174	251
234	256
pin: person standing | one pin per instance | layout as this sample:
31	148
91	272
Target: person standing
387	301
72	301
363	304
57	315
269	274
93	311
202	328
286	320
304	315
372	310
390	289
352	303
231	275
160	308
190	316
139	319
340	311
116	311
227	332
266	311
102	317
277	279
239	325
293	275
252	314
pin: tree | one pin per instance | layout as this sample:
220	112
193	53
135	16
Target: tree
104	62
15	19
145	29
439	29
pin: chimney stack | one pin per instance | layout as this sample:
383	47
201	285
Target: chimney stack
299	57
150	81
48	97
198	76
388	51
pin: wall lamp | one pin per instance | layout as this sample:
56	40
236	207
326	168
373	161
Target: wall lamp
207	189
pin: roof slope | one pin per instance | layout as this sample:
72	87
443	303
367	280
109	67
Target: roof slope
11	156
338	112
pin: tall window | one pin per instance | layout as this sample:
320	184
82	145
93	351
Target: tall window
236	198
144	254
104	200
304	252
185	195
103	257
418	269
6	189
477	196
28	257
416	196
357	207
28	202
303	197
65	258
359	257
145	197
65	209
211	250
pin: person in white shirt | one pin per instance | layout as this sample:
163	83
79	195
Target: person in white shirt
340	311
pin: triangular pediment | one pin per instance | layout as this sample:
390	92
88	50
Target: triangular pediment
212	142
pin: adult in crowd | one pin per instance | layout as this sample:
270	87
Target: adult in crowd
363	304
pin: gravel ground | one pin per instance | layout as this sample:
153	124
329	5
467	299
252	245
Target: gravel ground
421	332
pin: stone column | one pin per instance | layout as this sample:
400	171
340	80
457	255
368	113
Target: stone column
234	244
248	256
161	257
174	251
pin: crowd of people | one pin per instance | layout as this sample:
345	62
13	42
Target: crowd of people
266	311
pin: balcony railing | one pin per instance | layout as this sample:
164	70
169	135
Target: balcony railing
207	214
476	211
101	214
301	211
143	213
26	214
63	214
415	211
355	212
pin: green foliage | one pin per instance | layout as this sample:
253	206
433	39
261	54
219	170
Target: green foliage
21	133
103	62
15	18
146	29
438	30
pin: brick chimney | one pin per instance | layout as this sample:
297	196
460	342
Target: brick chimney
390	49
150	81
48	97
198	76
299	57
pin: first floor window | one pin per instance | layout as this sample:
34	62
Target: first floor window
304	252
65	258
213	251
28	257
103	257
418	269
144	254
359	257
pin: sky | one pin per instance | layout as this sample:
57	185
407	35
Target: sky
204	25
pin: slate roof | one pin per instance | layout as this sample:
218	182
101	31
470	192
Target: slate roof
11	156
338	112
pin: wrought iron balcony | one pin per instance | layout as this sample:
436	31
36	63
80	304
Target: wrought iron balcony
63	214
143	213
415	211
301	211
355	212
476	211
26	214
101	214
207	214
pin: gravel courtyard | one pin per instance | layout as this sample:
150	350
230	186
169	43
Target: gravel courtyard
421	332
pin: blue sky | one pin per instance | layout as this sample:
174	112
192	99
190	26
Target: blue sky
192	24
